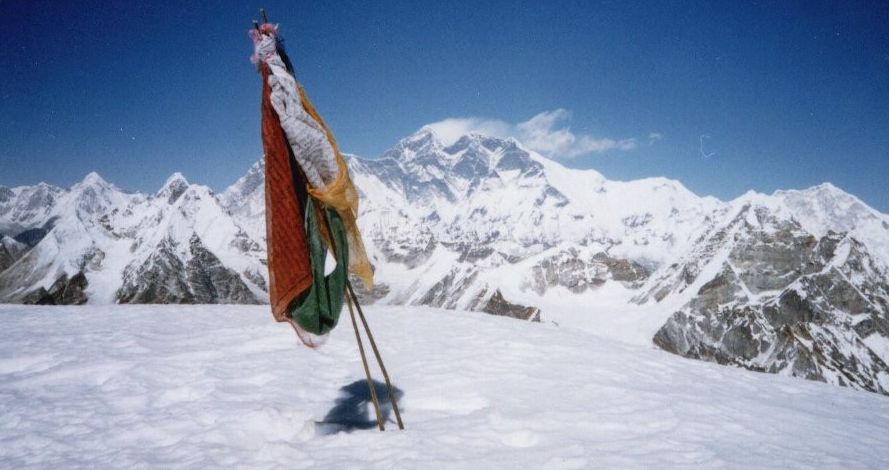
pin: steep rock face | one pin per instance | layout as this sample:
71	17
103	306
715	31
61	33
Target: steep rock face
579	271
496	304
26	206
10	251
368	296
211	281
159	279
200	278
64	291
788	303
173	188
31	237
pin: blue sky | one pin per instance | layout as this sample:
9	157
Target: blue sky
723	96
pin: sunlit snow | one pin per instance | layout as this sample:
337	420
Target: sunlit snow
199	386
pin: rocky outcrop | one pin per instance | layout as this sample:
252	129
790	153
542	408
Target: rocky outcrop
166	278
210	281
579	271
10	251
786	302
368	296
160	279
497	305
64	291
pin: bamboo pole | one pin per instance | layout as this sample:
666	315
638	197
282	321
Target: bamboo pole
370	384
373	345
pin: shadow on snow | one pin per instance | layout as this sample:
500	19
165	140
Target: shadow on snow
353	410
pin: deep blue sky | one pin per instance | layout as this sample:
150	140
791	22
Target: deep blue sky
787	94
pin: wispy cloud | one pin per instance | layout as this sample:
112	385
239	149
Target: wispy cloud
451	129
548	133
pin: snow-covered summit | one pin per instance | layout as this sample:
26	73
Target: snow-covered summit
422	141
93	179
246	187
173	187
25	207
827	206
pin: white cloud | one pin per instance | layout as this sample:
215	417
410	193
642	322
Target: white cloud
451	129
547	133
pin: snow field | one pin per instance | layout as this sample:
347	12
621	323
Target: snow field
197	386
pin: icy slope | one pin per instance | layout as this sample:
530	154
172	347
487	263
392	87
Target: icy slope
198	386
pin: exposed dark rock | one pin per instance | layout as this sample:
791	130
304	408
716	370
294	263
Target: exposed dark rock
6	194
39	296
10	251
212	282
165	278
497	305
831	299
92	259
32	237
579	272
410	252
256	278
639	220
446	291
366	296
160	279
64	291
623	270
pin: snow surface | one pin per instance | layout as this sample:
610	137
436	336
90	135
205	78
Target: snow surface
198	386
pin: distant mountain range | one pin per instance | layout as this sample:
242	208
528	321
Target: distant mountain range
792	283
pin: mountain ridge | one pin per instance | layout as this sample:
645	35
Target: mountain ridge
485	224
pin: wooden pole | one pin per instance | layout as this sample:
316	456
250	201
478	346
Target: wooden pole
373	345
351	297
370	384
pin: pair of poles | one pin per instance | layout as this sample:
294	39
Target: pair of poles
352	299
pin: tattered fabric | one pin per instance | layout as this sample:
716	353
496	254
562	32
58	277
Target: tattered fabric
314	148
290	270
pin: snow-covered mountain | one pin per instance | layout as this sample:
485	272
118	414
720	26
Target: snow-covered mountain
793	283
178	245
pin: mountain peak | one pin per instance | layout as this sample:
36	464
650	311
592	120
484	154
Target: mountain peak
423	131
422	139
476	139
828	188
175	185
822	189
94	179
253	182
176	178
